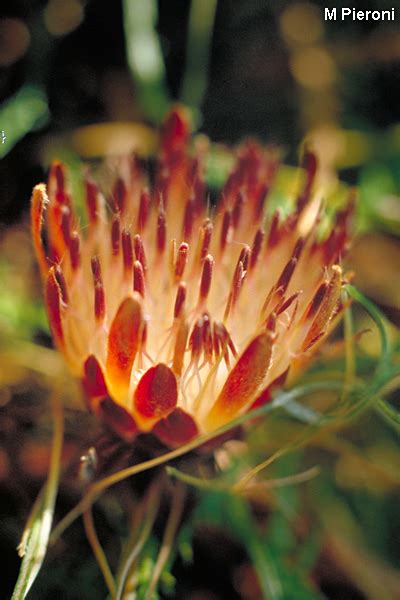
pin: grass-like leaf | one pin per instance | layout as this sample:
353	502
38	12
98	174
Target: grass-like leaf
384	371
35	538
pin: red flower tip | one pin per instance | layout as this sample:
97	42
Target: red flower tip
156	395
123	343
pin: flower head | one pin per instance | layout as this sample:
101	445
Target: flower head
176	315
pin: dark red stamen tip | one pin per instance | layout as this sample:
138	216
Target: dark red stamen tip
175	132
53	302
281	309
206	277
57	182
236	286
244	257
59	174
127	250
96	269
161	230
196	338
256	247
139	251
260	198
237	209
181	259
271	322
316	302
119	194
180	300
273	235
143	213
66	224
206	231
75	250
298	248
99	302
286	275
115	234
309	164
91	199
99	295
226	224
59	275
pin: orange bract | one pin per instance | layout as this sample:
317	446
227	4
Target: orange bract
178	316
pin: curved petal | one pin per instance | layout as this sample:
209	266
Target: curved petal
156	395
123	343
93	381
266	394
118	419
243	381
177	429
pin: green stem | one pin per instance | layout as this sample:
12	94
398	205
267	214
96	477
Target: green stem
145	57
98	552
174	518
152	502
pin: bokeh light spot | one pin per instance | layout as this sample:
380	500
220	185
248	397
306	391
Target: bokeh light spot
63	17
14	41
313	68
301	23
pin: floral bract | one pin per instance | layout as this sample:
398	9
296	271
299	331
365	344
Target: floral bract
179	316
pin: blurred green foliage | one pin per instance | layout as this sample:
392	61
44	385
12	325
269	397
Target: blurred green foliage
26	111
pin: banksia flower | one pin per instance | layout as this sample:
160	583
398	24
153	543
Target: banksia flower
178	315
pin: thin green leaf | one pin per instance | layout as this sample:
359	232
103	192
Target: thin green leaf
389	414
36	536
377	316
384	371
135	545
201	484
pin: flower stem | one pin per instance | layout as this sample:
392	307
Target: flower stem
151	503
98	551
178	502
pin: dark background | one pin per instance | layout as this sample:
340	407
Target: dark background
251	89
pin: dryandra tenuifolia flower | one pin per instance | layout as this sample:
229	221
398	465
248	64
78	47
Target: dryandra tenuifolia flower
177	315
